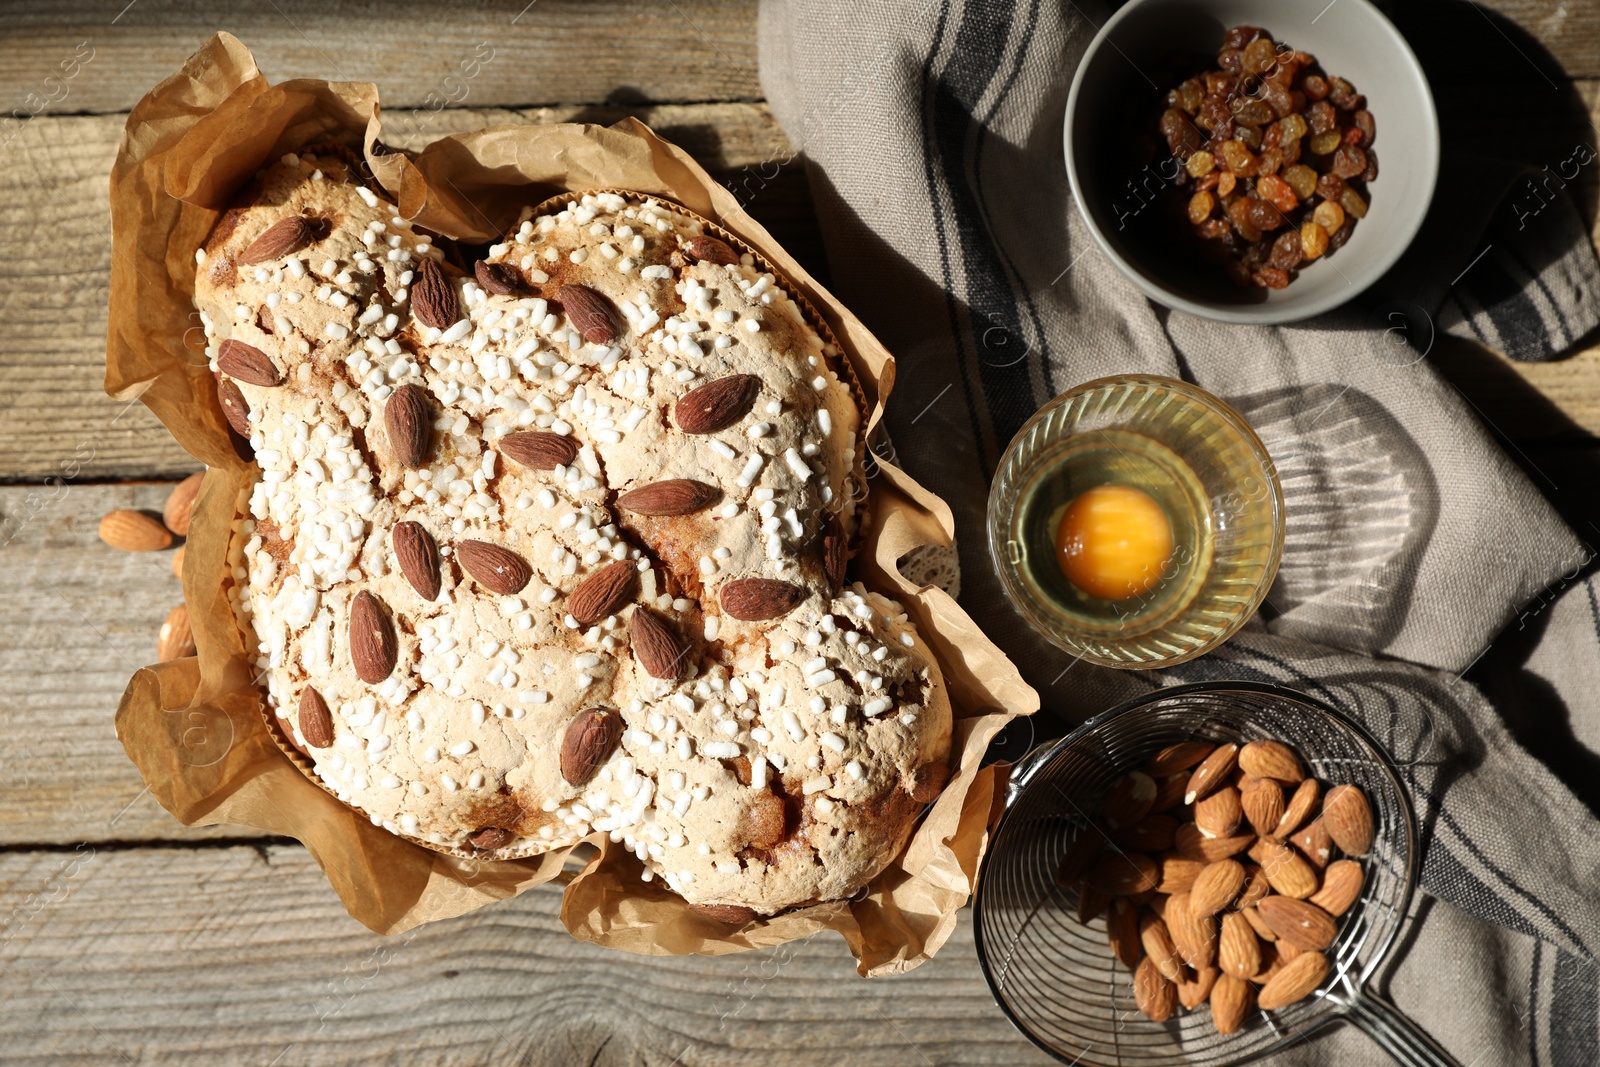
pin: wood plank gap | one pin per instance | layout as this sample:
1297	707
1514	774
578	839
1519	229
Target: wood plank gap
260	844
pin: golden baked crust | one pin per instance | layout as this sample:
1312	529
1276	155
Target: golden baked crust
467	456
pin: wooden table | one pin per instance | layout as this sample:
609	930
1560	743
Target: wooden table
127	937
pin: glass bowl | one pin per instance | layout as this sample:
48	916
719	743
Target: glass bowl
1204	466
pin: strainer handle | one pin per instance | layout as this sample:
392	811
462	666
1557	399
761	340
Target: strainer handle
1404	1041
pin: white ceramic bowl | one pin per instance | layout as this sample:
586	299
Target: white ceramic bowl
1350	39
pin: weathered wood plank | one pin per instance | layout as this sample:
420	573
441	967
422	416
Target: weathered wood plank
80	618
239	955
504	53
548	51
55	269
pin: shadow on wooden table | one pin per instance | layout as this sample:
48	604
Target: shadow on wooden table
1498	90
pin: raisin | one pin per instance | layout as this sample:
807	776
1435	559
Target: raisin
1191	92
1182	137
1342	95
1200	205
1277	96
1260	55
1323	143
1330	187
1275	189
1264	215
1352	203
1200	163
1231	60
1364	123
1322	117
1211	115
1371	173
1213	229
1236	37
1302	179
1315	86
1349	161
1238	158
1270	278
1239	215
1286	251
1269	161
1247	112
1337	239
1293	126
1313	239
1328	215
1225	183
1250	135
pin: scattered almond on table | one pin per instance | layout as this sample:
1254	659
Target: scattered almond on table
175	640
180	504
134	531
138	531
1223	883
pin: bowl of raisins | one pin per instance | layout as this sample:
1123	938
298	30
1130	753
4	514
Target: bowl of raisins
1224	153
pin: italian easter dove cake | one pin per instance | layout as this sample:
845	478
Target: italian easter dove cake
555	545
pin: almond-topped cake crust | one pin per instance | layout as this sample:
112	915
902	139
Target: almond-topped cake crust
557	546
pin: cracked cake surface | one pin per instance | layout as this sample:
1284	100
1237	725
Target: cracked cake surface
555	545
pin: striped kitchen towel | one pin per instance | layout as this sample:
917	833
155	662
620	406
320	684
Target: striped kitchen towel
932	134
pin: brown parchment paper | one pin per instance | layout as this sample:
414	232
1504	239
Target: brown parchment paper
195	727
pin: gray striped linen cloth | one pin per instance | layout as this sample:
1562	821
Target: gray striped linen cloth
932	134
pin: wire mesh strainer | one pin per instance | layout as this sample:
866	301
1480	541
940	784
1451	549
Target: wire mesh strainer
1057	979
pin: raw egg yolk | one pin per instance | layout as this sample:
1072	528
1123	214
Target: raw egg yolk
1114	542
